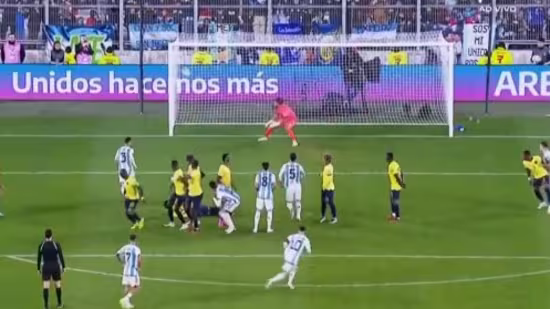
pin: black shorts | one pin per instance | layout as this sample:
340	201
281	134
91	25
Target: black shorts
539	182
130	203
51	272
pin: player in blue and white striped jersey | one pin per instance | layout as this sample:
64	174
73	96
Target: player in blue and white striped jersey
291	176
124	160
265	183
228	201
130	256
295	245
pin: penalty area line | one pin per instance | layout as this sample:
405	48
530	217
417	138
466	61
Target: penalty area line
308	285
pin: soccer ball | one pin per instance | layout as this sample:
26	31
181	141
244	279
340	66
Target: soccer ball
536	59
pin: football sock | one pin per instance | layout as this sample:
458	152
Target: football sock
395	210
269	219
291	276
323	206
45	295
538	195
298	210
227	219
58	293
268	132
179	213
547	192
290	208
291	134
257	219
332	209
136	217
128	296
170	215
130	217
278	277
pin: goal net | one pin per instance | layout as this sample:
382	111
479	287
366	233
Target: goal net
328	81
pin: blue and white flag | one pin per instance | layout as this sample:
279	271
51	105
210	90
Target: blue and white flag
155	36
375	32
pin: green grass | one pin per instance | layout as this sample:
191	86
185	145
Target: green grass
443	215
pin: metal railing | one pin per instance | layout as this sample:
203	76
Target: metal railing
514	20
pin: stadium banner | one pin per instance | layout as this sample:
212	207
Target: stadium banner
71	35
375	32
288	29
155	36
475	42
253	83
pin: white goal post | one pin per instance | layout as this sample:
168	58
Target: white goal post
397	83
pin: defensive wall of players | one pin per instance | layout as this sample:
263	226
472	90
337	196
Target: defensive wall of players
518	83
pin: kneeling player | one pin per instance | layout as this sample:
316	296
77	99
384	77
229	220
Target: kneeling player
285	117
228	201
264	183
130	256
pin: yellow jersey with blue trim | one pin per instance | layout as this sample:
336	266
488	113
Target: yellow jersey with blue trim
225	175
328	177
131	186
177	181
195	185
394	171
536	167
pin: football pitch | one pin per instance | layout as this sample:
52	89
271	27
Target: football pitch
470	236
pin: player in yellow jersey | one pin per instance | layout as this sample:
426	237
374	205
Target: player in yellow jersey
397	184
194	180
133	193
178	197
224	172
327	190
537	176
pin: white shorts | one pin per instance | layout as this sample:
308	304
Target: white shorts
132	281
230	207
294	193
288	268
261	204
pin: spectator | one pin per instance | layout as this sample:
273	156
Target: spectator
84	52
269	57
540	55
58	54
501	56
109	57
484	60
12	51
70	57
202	57
398	57
92	19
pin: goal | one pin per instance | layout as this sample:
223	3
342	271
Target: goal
327	82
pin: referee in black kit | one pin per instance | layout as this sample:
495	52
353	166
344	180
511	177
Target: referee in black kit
50	264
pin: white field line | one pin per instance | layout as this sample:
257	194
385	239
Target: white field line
307	285
308	136
359	173
326	256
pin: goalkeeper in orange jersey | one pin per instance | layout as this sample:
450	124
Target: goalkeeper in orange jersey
284	117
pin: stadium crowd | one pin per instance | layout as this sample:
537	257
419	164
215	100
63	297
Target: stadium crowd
523	26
